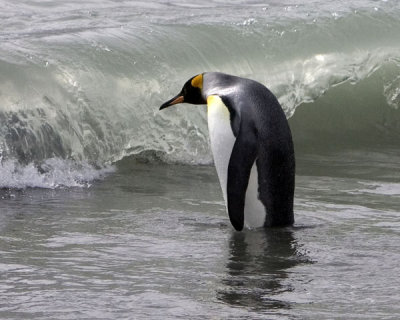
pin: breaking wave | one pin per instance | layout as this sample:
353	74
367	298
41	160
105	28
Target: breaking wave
73	101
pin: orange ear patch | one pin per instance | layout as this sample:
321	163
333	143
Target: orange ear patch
197	81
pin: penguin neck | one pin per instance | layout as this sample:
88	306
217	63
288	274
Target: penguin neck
220	84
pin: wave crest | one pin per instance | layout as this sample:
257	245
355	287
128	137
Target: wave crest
92	98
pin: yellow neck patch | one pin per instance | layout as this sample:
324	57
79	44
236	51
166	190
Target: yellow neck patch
217	108
197	81
212	100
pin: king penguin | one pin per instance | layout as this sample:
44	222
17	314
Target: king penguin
251	145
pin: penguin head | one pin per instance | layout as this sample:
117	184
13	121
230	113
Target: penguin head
190	93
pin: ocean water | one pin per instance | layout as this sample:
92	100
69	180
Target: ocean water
112	209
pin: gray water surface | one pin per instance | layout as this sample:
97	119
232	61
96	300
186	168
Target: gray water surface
153	241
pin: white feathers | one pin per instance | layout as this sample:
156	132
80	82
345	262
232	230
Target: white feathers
222	138
254	211
222	142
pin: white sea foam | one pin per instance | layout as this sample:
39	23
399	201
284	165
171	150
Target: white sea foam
53	173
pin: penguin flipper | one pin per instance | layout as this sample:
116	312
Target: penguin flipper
242	158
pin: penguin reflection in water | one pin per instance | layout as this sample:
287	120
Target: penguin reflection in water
252	147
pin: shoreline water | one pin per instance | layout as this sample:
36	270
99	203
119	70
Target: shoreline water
154	241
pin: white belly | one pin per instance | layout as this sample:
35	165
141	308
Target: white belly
222	141
254	210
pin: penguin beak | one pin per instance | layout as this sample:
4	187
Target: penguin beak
174	100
